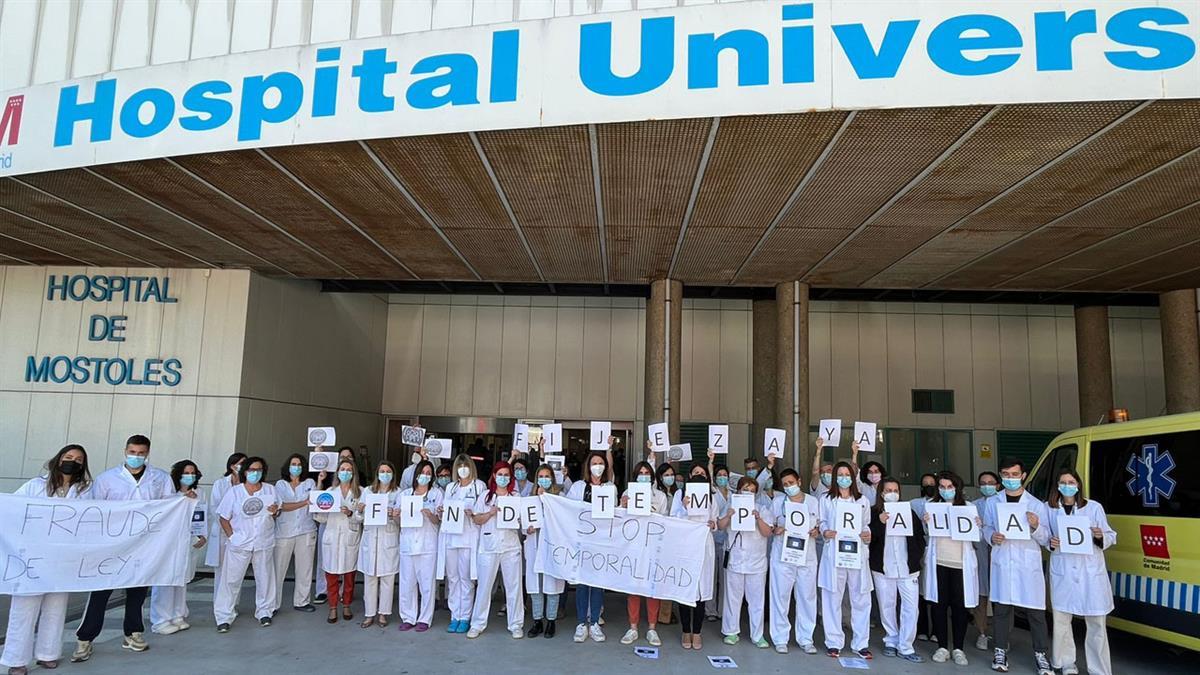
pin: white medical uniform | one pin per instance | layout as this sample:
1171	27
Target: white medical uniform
790	582
216	536
295	537
1079	586
746	578
897	581
1016	572
252	543
168	604
379	559
457	562
835	582
418	562
499	551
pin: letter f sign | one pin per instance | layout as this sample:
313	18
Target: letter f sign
10	122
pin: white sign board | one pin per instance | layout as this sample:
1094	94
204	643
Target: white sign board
552	435
604	502
508	516
412	436
321	436
681	452
794	550
531	512
900	519
1012	521
774	442
741	513
697	499
938	524
325	501
718	438
640	499
830	432
454	516
849	519
797	519
1075	535
849	554
375	508
864	435
322	461
410	511
200	519
520	438
659	436
600	431
439	448
963	526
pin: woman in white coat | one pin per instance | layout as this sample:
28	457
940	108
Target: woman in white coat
456	561
379	549
1079	583
168	604
418	553
836	582
339	542
790	581
499	554
523	485
692	618
544	590
295	534
951	577
67	477
745	568
216	537
247	515
660	505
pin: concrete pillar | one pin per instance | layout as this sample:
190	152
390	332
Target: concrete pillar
664	320
791	370
763	358
1181	350
1094	364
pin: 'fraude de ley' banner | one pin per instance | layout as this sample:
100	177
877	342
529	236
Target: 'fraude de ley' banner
650	556
58	545
753	57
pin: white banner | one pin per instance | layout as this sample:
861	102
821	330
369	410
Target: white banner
654	556
57	545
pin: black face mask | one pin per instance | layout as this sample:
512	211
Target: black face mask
70	468
698	479
929	490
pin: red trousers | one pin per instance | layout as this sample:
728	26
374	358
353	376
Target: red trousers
340	585
634	605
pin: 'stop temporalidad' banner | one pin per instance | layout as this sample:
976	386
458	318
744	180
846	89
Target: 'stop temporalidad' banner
743	58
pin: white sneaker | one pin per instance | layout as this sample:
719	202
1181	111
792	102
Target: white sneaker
581	632
1070	670
166	629
474	633
781	649
942	655
83	651
629	637
518	634
960	659
134	642
981	643
595	633
808	648
652	638
183	625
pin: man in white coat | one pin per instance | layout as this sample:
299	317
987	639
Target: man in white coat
1017	578
135	479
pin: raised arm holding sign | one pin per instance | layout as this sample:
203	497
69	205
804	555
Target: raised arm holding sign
521	438
773	442
718	438
601	431
552	439
658	436
830	432
865	435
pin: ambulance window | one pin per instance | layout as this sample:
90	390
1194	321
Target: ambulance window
1151	475
1040	484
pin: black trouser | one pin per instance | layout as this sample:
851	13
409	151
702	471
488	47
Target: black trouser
692	618
93	616
923	608
950	600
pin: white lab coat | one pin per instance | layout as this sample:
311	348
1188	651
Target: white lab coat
1017	577
216	536
339	542
970	570
418	548
1079	584
469	539
983	554
379	545
827	576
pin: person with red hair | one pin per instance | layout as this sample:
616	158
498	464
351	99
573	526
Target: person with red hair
499	551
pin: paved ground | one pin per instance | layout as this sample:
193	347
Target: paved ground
304	642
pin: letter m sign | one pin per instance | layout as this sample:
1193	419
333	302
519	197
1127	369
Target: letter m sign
10	120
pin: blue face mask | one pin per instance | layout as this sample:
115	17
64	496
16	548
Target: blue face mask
545	482
424	479
135	461
668	480
644	478
502	481
345	476
295	470
187	479
520	474
443	481
1068	490
723	481
752	473
845	481
826	479
385	478
252	477
947	494
987	490
1011	483
791	490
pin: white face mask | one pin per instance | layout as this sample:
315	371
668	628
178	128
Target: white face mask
597	470
891	496
416	457
464	471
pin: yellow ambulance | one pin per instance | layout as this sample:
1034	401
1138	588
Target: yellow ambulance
1144	473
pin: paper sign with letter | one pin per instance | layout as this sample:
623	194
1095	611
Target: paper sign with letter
552	435
962	523
864	435
531	512
659	436
439	448
600	433
1075	535
742	513
938	524
509	515
830	432
322	461
697	498
640	499
410	511
604	502
718	438
1012	521
318	436
773	442
454	516
681	452
200	519
849	519
324	501
795	518
900	519
794	549
520	438
849	554
375	508
412	435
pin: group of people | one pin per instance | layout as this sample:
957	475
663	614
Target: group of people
914	581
